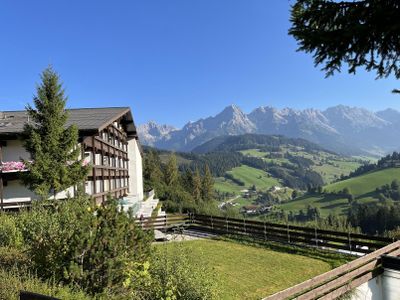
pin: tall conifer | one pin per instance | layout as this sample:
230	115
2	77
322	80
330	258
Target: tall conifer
171	171
196	186
207	185
53	146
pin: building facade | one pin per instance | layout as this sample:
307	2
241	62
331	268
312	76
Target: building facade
109	144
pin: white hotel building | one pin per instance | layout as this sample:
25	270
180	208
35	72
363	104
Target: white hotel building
109	143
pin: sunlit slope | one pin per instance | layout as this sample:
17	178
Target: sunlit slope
362	187
367	183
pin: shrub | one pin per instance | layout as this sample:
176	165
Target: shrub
176	277
10	234
13	281
76	242
11	258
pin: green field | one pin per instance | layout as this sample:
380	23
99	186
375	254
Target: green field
253	152
327	204
362	187
262	180
367	183
332	171
329	166
250	272
227	186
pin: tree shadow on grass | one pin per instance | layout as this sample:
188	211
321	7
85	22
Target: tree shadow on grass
371	194
334	259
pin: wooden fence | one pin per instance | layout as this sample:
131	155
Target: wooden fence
341	280
297	235
326	239
165	223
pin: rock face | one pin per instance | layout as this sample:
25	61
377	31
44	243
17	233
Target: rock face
151	133
344	129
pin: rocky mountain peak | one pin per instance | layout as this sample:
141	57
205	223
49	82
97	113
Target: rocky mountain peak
340	128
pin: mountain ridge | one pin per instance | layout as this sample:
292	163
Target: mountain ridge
343	129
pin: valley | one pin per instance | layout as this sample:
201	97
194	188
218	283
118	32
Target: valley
330	166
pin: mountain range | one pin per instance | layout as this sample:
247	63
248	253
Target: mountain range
343	129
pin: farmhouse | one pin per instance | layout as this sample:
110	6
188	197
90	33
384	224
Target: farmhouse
109	144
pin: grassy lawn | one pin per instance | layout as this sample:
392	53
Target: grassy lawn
251	176
251	272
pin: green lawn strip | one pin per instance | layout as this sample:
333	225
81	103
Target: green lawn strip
247	271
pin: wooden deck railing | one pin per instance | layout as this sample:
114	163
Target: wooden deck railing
163	223
341	280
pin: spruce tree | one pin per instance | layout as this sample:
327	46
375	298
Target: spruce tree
54	149
207	185
354	33
152	174
171	171
196	186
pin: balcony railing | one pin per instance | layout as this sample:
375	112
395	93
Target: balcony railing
12	166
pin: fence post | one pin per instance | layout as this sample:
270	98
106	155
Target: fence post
212	223
265	230
244	224
316	237
349	240
288	234
227	226
165	223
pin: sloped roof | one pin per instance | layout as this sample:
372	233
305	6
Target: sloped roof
86	119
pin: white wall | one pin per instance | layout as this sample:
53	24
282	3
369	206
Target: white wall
16	192
391	284
14	151
382	287
135	169
371	290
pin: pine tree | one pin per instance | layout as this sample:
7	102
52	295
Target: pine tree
196	186
207	185
171	171
353	33
186	180
152	174
54	149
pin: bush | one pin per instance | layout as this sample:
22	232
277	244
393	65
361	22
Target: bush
10	234
13	281
172	274
76	242
11	258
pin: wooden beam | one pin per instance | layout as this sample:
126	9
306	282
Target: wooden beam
1	191
94	163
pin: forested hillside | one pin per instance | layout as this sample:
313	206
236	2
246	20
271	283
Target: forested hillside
261	170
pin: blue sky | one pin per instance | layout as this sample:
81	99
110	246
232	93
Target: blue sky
170	60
